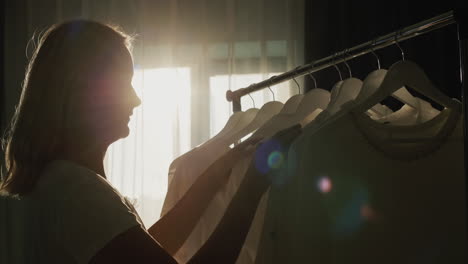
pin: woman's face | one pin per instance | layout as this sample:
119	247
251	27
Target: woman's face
111	100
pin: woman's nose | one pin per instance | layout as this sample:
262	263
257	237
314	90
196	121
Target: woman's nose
135	100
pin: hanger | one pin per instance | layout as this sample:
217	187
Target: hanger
337	86
266	112
312	103
373	80
348	91
231	123
400	74
235	123
245	119
343	91
292	103
381	83
379	110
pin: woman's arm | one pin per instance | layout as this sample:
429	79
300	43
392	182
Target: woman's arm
137	246
225	243
223	246
175	226
132	246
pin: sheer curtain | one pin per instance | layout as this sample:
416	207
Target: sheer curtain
187	54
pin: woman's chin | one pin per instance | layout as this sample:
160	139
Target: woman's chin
120	133
125	131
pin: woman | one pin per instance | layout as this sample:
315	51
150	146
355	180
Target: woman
77	99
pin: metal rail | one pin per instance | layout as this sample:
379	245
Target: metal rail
462	30
359	50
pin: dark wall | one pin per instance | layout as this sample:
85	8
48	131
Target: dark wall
14	40
334	25
2	58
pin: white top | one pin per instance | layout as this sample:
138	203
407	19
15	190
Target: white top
366	192
183	172
71	214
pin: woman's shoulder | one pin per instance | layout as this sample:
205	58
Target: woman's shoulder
63	177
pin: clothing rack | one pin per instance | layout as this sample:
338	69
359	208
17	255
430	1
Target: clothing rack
440	21
345	55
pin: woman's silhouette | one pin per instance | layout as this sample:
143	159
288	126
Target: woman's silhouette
77	99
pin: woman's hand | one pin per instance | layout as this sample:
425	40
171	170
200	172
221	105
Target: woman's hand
222	167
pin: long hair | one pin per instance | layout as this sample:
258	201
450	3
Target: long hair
68	56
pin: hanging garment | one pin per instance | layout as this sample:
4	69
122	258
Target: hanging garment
185	170
70	215
368	192
308	109
408	115
215	210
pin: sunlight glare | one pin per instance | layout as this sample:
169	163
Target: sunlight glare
159	132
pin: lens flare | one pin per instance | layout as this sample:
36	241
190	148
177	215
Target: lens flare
269	156
324	185
367	212
275	160
350	207
271	159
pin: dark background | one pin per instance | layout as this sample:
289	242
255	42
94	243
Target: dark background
332	26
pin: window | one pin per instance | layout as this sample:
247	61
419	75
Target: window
159	132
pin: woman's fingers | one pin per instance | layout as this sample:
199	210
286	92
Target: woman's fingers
284	137
241	150
249	142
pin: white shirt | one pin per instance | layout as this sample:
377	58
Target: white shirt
183	172
71	214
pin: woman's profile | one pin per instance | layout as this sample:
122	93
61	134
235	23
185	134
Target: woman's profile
76	100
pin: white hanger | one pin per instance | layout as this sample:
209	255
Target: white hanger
316	98
403	73
424	110
231	123
244	118
240	118
342	92
350	89
292	103
375	78
266	112
313	102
